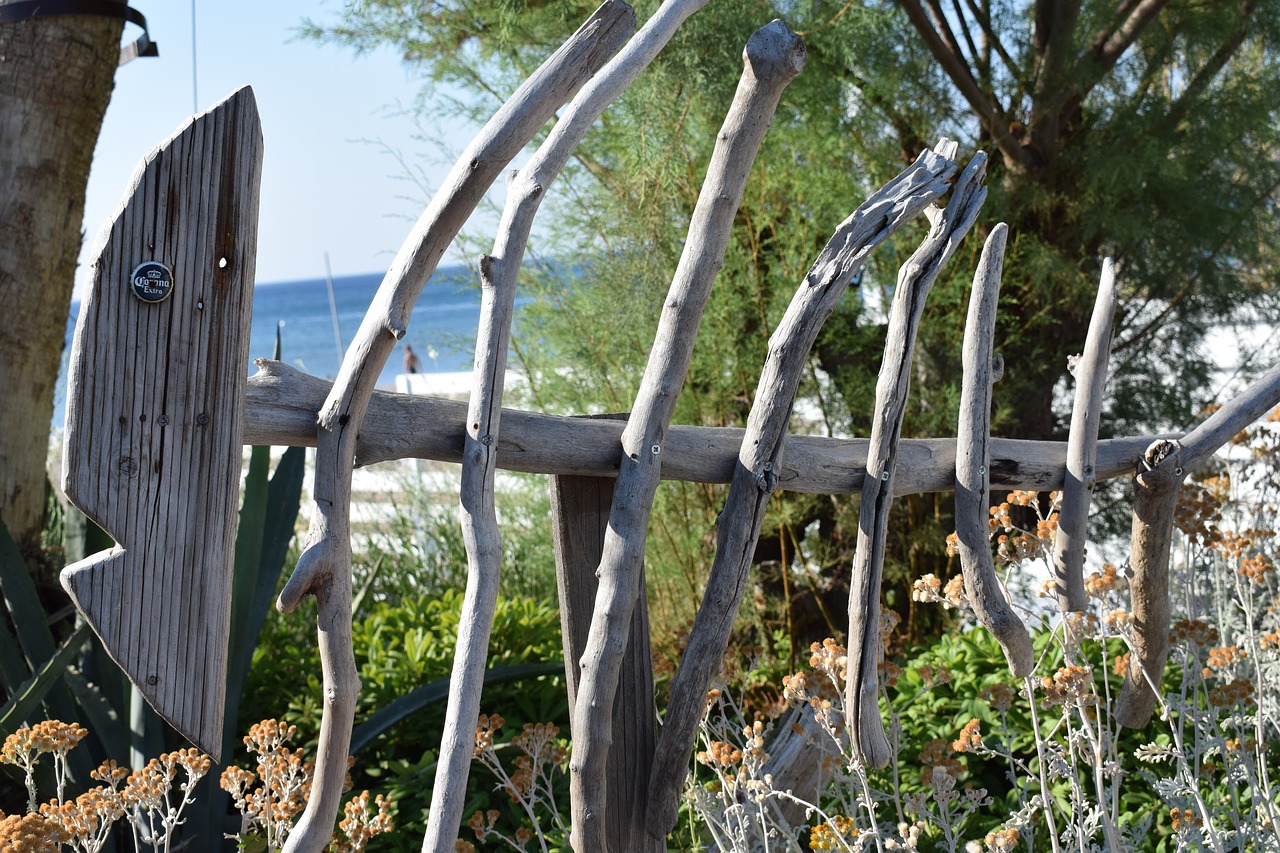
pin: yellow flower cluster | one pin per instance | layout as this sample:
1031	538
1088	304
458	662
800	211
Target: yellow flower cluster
1070	683
1098	584
1002	840
1238	692
838	833
970	737
1183	819
1195	631
29	833
486	726
937	758
998	696
271	799
360	823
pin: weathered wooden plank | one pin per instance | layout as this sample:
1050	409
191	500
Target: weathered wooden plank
915	279
1086	416
282	407
155	413
773	57
973	463
760	458
579	517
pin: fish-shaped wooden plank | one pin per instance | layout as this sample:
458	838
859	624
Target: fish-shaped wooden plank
155	409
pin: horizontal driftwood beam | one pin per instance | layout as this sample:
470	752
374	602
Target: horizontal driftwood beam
282	403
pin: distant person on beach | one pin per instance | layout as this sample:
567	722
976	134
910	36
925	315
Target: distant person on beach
412	364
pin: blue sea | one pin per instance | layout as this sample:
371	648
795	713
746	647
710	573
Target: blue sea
442	327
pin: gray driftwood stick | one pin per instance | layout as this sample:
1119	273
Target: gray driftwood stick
973	463
915	279
282	405
500	272
756	474
1162	469
1154	500
772	59
324	569
1086	415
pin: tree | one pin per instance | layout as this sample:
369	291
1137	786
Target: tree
55	80
1147	131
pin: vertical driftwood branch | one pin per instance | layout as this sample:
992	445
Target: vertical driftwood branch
773	57
1163	468
760	458
499	274
324	569
973	463
1154	500
580	516
915	279
1082	447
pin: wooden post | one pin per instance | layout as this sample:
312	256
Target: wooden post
155	413
580	515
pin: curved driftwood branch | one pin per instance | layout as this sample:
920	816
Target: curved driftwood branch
973	463
1082	441
500	272
760	459
282	404
915	279
324	569
772	59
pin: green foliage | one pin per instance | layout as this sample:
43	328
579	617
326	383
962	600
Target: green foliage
400	646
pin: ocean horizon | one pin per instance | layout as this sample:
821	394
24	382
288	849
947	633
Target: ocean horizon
442	327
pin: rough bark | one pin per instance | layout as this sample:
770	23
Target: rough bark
773	57
915	279
55	81
760	458
973	463
1082	441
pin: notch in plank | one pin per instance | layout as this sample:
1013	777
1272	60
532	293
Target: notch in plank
155	411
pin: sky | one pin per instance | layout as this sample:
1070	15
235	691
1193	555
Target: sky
331	121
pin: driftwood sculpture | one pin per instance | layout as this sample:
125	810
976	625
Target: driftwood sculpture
143	418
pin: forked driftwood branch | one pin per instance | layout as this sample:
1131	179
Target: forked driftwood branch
760	459
1086	415
973	463
324	569
500	272
772	59
915	279
1163	467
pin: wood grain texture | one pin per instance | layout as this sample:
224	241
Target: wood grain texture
579	517
973	463
915	279
283	402
1082	440
155	415
756	474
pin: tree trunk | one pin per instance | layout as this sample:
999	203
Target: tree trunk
55	80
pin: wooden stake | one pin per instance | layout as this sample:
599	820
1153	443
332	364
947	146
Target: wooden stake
915	279
773	57
760	459
580	516
973	463
324	569
1082	441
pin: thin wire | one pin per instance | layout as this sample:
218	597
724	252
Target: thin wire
195	98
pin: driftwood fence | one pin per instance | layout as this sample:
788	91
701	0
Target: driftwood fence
159	411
